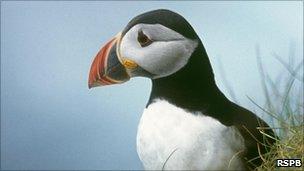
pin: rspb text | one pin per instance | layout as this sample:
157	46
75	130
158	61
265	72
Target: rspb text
288	163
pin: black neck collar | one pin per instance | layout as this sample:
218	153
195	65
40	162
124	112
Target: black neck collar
193	88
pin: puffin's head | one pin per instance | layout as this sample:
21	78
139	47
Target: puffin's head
154	44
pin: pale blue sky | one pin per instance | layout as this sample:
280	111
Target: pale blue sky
49	117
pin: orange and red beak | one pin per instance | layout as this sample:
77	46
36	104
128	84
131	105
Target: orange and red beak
106	68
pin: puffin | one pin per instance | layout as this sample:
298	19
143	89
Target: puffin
188	123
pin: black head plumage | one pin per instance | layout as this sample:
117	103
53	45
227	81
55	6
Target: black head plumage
166	18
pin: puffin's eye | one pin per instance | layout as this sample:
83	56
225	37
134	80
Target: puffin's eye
143	39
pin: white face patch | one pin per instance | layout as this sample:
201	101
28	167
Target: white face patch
168	52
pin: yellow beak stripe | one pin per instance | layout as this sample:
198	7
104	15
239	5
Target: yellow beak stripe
129	63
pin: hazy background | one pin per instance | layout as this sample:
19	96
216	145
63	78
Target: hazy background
49	117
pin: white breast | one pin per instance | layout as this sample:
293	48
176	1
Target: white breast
171	138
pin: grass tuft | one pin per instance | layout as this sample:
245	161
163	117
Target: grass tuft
290	147
284	107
